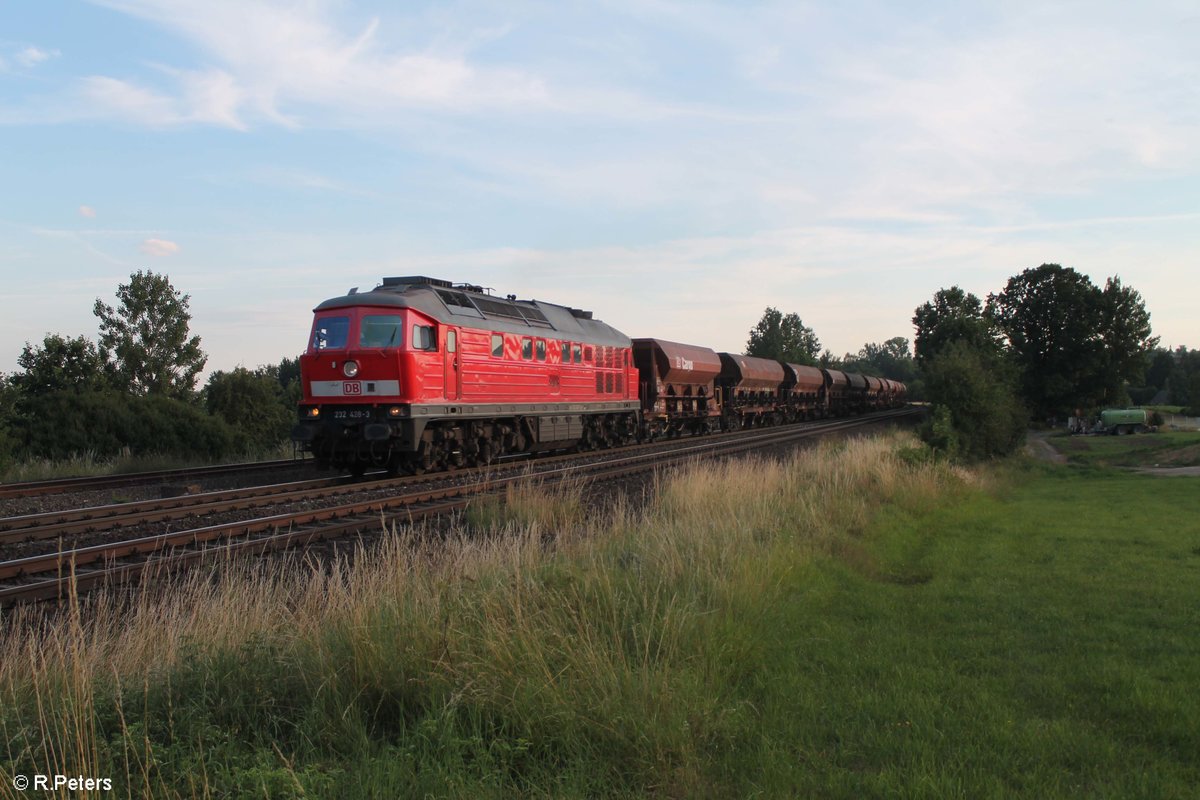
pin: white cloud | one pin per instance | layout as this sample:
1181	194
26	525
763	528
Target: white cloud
131	102
26	57
159	248
87	211
279	58
1042	103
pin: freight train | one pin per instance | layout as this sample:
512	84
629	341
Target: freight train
422	374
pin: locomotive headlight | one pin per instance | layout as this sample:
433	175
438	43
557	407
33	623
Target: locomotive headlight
350	368
312	412
394	411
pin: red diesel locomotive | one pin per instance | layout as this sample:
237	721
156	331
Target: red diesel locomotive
422	374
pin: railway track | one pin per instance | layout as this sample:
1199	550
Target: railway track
63	485
72	570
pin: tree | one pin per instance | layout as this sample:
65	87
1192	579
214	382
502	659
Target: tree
891	359
953	315
253	402
1125	333
977	414
783	337
61	364
829	361
8	421
1162	366
288	371
147	337
1193	394
1074	344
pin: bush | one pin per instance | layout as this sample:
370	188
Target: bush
111	423
255	403
8	400
976	413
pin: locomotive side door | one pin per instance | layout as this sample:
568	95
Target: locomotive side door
453	372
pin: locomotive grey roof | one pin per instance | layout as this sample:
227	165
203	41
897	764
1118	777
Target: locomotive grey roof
467	305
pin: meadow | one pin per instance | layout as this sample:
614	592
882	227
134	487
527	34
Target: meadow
859	620
1164	448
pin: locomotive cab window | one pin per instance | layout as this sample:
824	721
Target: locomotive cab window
566	353
527	349
577	353
497	345
380	331
330	333
541	349
423	338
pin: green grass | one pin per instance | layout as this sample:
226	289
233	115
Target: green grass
1163	448
1040	644
854	623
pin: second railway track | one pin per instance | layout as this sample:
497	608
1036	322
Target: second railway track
48	575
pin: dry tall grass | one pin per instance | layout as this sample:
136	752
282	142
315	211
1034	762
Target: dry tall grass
564	630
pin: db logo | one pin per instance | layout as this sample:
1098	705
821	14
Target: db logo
351	387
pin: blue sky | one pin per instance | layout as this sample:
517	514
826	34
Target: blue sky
674	166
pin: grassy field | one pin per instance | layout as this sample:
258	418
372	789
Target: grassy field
1161	449
857	622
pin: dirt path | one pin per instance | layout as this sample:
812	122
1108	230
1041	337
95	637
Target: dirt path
1037	446
1168	470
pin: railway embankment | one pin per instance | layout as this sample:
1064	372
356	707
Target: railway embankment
856	619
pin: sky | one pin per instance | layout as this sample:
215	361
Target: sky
676	167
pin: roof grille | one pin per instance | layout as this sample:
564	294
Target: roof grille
534	316
499	308
400	284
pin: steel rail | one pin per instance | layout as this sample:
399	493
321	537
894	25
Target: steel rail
89	483
286	530
55	524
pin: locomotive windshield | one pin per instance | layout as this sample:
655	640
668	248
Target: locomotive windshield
330	333
381	331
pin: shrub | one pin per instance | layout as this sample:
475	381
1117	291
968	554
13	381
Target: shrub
976	413
253	402
110	423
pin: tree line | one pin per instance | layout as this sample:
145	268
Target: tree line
785	337
1049	344
133	390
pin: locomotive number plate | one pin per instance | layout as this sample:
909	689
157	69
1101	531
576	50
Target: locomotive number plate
352	413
